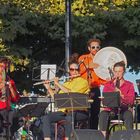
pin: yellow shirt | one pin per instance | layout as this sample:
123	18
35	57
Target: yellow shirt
76	85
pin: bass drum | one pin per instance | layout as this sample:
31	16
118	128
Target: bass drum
106	58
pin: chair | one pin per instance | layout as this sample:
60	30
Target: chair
115	124
59	130
112	100
125	135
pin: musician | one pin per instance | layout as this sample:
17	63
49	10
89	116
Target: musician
74	84
87	66
127	95
8	93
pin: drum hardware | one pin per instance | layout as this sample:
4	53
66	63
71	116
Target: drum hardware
106	58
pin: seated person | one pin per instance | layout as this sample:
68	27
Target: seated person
127	95
8	94
74	84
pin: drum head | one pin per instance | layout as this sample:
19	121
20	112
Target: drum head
106	58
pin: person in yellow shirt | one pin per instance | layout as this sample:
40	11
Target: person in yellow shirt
75	84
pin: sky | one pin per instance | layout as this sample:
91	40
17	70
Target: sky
132	77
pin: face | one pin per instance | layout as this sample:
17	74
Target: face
73	69
118	72
94	47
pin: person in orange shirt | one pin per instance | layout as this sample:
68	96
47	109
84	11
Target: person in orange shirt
87	66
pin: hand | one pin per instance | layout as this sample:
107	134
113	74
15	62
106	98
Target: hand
56	80
108	79
93	65
117	89
47	84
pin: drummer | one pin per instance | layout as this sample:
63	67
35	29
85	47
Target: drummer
75	84
87	66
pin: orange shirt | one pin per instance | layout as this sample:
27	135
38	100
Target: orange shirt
88	73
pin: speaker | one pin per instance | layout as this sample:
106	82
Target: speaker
125	135
87	134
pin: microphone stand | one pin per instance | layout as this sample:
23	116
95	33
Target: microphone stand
87	70
110	73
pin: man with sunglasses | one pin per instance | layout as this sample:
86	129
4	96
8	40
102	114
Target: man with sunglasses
87	66
71	86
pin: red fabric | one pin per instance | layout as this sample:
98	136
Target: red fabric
127	90
6	104
93	79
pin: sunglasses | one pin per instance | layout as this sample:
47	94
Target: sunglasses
95	47
73	69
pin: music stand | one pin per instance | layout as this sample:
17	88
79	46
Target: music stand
44	72
33	109
111	99
71	101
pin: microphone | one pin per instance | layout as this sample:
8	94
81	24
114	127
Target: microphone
110	73
81	61
118	83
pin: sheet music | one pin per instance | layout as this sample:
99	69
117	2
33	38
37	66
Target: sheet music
48	71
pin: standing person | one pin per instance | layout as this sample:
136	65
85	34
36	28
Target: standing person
87	67
73	85
8	94
127	95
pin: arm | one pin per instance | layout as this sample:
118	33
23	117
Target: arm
48	87
13	91
61	87
52	92
129	95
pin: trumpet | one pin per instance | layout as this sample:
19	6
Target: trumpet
60	79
